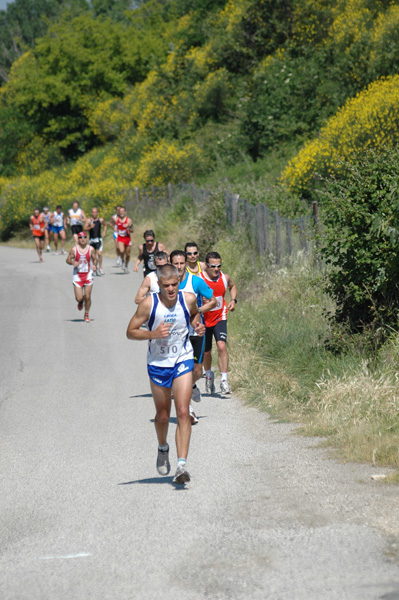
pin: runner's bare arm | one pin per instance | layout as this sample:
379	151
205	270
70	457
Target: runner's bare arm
233	293
142	315
105	227
83	215
30	224
70	259
87	225
139	258
195	319
143	290
208	305
161	248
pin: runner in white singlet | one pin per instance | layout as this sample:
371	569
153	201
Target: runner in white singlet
170	361
76	218
150	281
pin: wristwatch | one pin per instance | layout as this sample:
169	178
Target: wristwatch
234	300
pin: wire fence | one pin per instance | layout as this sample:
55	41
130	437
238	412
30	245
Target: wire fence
270	235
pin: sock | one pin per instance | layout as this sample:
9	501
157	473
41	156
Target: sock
223	376
208	374
163	448
181	462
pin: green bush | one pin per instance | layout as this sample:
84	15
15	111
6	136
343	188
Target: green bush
360	241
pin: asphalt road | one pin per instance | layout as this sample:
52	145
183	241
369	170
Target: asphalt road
83	512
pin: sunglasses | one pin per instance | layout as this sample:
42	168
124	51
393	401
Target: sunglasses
82	236
149	240
214	266
192	253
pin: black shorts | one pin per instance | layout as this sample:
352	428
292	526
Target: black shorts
218	331
198	344
97	245
76	228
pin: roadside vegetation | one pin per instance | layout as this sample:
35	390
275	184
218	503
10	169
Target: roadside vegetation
283	103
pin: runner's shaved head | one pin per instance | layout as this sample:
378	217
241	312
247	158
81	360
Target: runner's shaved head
166	272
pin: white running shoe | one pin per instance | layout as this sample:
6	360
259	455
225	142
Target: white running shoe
210	384
101	272
182	476
118	262
193	416
163	464
196	394
224	388
63	251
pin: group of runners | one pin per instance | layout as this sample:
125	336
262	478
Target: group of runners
181	308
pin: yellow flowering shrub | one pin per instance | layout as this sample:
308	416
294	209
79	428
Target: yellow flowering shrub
107	119
168	162
38	156
384	54
232	14
371	119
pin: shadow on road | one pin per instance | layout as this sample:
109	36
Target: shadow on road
77	320
156	480
142	396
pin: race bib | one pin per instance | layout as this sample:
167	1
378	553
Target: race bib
219	305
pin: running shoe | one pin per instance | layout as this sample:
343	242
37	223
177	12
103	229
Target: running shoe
163	464
80	305
126	269
56	253
196	394
87	318
182	476
193	416
101	272
48	249
63	251
210	384
224	387
118	262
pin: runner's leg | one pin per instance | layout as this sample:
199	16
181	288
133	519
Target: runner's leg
162	401
223	356
87	297
182	388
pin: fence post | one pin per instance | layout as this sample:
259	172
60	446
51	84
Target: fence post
234	206
170	193
289	236
260	230
137	192
302	234
265	211
278	237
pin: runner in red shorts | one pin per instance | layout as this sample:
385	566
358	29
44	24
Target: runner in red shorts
81	257
124	227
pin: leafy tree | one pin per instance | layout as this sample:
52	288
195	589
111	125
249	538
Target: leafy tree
77	63
26	20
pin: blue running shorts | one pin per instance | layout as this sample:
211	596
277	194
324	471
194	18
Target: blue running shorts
164	376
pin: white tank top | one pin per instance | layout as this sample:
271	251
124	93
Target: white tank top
167	352
76	217
154	287
58	219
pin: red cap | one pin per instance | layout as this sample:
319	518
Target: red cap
82	234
